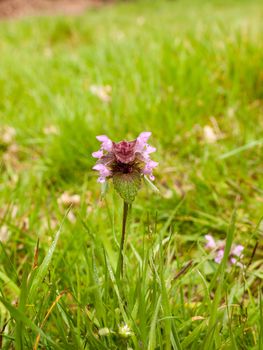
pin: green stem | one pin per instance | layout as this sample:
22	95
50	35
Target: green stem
123	234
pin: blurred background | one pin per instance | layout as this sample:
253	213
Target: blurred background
190	71
17	8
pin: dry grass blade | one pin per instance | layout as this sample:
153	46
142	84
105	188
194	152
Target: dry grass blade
47	316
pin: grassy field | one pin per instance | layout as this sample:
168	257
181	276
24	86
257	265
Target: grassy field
191	72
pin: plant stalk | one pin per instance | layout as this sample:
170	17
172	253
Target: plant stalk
123	234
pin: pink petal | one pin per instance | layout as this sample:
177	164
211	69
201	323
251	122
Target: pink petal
233	260
237	250
210	242
144	136
141	141
98	167
101	179
102	138
148	168
103	170
152	164
219	256
97	154
150	149
106	142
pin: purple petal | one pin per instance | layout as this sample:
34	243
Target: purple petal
101	179
97	154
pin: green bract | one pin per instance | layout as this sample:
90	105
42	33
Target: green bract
127	185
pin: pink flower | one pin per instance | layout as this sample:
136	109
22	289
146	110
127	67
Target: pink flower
219	256
124	157
218	248
237	250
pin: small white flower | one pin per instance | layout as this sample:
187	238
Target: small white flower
125	331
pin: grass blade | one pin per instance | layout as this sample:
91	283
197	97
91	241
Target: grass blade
42	270
243	148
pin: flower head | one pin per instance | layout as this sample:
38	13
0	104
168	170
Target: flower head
124	151
125	331
124	156
124	161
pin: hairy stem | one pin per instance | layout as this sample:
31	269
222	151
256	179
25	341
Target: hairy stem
123	234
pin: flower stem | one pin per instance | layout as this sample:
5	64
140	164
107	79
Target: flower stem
123	233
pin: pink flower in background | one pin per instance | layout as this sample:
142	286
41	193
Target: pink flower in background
211	244
218	247
236	253
124	157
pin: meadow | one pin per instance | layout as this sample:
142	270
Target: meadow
190	72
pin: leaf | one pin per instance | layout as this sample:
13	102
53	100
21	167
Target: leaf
151	185
104	188
241	149
127	185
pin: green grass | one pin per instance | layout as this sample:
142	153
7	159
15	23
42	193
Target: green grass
175	67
